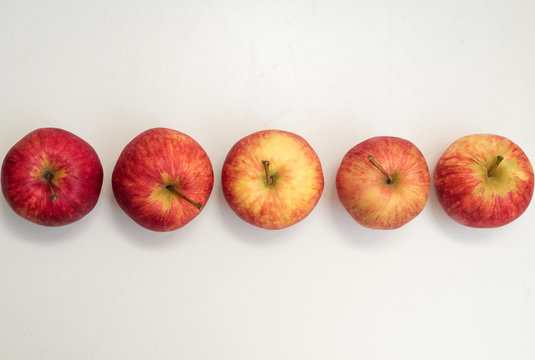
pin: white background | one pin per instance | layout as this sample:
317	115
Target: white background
334	72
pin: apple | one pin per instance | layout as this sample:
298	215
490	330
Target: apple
162	179
51	177
383	182
272	179
484	181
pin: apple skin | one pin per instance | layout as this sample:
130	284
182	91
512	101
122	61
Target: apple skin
297	179
365	192
152	162
471	197
75	174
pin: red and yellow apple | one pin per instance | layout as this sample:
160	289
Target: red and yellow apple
272	179
162	179
51	177
383	182
484	181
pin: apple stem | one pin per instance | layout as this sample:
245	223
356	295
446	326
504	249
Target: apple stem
269	178
179	194
492	170
53	195
378	166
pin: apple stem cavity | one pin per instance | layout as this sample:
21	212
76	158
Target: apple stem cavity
492	170
173	189
378	166
48	177
269	178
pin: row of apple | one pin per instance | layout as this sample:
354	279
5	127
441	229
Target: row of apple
271	179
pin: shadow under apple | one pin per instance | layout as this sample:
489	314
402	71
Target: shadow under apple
245	232
138	235
25	230
455	231
347	228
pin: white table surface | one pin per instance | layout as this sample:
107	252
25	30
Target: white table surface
335	72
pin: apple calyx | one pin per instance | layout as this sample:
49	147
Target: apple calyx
378	166
269	178
48	177
493	168
174	190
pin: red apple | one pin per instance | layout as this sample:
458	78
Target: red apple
383	182
484	181
162	179
51	177
272	179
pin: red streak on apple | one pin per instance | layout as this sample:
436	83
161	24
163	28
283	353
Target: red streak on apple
75	174
272	179
162	179
473	198
383	182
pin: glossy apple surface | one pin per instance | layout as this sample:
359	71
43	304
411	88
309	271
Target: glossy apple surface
383	182
51	177
162	179
272	179
484	181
